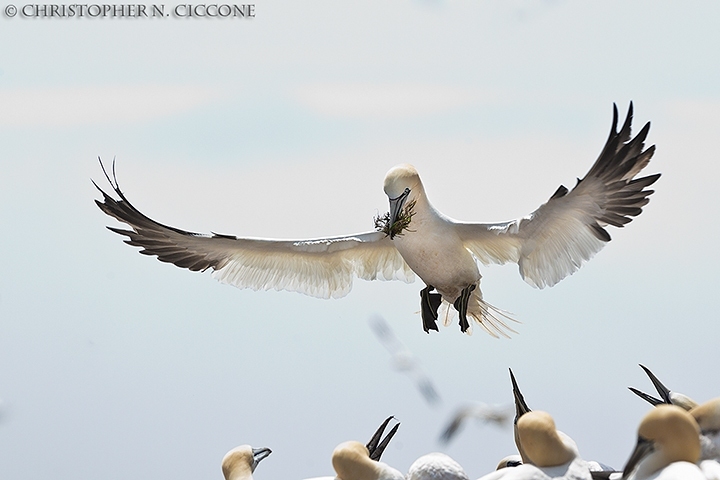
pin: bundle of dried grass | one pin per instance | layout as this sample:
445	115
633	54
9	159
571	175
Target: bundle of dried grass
382	223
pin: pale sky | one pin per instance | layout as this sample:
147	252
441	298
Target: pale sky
115	366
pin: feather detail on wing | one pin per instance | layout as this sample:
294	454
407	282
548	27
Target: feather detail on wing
554	241
323	267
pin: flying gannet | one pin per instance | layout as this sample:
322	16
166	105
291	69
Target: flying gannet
404	360
666	396
668	447
496	414
548	245
240	462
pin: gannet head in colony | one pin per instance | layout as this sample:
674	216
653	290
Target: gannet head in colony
351	461
240	462
707	417
667	434
402	185
666	396
541	442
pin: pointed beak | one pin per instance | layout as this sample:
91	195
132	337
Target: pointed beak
396	205
662	390
521	408
643	448
648	398
259	454
375	446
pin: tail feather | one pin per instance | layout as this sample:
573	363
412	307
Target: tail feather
490	318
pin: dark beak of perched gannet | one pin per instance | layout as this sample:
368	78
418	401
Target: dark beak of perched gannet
396	205
521	408
259	454
375	446
666	435
666	396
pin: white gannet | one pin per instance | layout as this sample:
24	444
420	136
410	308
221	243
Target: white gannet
240	462
354	461
666	396
550	453
598	470
403	359
707	417
496	414
548	245
668	447
436	466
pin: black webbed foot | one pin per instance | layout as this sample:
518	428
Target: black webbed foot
429	304
461	305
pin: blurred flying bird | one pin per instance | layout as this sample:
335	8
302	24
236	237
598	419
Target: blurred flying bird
666	396
496	414
414	238
240	462
403	360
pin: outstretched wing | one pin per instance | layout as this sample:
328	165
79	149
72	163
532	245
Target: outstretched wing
554	241
323	267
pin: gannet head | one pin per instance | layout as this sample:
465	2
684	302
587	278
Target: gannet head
667	434
351	461
542	443
240	462
401	182
707	416
509	462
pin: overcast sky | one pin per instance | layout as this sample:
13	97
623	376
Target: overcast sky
115	366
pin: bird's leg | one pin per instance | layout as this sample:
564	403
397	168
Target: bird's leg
429	304
461	305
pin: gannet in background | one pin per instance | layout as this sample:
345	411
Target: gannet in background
707	417
496	414
668	447
666	396
548	245
403	359
355	461
240	462
509	462
550	454
436	466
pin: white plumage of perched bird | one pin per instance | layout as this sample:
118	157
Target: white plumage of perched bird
240	462
548	245
436	466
